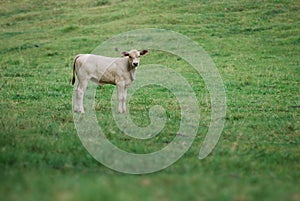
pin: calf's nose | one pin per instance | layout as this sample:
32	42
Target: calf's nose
135	64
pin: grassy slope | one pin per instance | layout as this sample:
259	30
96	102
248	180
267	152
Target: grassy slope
255	47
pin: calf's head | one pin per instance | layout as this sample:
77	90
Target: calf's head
134	56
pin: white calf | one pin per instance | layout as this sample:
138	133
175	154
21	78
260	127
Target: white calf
105	70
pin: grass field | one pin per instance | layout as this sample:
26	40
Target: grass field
254	44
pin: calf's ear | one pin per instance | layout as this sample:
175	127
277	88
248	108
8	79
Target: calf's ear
125	54
143	52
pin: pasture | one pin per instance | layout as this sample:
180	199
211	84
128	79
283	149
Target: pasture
255	46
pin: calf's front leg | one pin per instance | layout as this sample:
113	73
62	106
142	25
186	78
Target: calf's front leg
121	92
124	99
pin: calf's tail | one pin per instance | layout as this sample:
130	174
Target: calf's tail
74	63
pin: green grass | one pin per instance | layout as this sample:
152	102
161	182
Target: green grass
254	44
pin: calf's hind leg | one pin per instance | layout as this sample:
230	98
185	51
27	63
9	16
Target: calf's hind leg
78	96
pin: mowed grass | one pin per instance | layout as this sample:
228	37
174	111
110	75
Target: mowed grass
254	45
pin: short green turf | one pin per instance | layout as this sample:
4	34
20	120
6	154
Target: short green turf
255	46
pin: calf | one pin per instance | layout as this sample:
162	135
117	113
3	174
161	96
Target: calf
105	70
